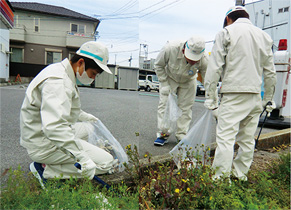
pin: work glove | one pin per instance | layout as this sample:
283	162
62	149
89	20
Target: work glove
92	118
88	168
115	164
165	90
215	113
210	104
269	105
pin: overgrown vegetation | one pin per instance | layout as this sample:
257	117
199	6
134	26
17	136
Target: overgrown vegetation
160	186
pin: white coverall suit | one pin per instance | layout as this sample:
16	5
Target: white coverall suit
178	76
242	53
49	111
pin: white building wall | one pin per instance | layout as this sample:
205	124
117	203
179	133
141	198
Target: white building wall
4	49
265	15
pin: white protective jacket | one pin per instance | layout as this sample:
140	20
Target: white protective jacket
171	63
50	107
241	54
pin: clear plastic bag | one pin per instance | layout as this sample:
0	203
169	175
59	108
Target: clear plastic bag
195	142
101	137
171	115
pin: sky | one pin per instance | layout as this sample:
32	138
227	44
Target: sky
134	28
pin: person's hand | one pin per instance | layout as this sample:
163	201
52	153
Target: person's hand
269	105
92	118
87	168
215	113
165	90
210	104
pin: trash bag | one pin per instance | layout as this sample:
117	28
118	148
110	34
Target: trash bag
171	115
196	142
101	137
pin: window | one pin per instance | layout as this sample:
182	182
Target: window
17	55
16	23
36	24
53	56
76	28
285	9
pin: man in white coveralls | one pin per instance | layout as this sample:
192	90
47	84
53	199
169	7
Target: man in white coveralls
241	55
176	67
49	111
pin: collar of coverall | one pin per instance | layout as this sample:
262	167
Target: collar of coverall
69	70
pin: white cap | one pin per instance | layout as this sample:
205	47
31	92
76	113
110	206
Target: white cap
97	52
235	8
195	47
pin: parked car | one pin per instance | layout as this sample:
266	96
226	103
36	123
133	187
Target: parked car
200	89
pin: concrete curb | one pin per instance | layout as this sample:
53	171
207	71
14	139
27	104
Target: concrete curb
266	141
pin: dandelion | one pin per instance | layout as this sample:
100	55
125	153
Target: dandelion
188	189
210	198
179	173
184	180
145	155
177	190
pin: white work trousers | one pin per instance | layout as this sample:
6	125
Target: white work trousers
238	117
60	164
186	93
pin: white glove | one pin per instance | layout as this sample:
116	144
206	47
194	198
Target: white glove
270	107
210	104
165	90
215	113
87	168
92	118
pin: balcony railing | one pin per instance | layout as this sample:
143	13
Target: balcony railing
77	39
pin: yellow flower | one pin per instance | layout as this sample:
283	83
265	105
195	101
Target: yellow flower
145	155
184	180
188	189
177	190
179	173
210	198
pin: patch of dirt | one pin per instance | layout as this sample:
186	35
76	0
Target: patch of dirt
264	158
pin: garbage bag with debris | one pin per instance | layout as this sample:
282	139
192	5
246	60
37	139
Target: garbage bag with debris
196	142
98	135
171	115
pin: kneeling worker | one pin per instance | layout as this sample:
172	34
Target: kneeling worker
49	111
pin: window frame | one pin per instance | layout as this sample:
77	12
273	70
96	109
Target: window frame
54	51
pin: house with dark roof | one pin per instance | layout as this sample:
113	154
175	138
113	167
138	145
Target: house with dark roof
45	34
6	24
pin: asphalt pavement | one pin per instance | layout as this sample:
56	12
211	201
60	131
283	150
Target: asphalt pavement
131	116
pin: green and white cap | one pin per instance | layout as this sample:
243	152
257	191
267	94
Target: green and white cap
195	47
235	8
97	52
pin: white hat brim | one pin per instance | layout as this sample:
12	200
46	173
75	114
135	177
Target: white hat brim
193	56
104	67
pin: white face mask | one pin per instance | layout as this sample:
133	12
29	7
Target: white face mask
84	79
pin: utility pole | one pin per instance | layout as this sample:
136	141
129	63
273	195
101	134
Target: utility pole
130	60
143	54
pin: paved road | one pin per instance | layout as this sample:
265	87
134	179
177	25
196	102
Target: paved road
124	113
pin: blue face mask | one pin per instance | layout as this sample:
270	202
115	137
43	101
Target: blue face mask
84	78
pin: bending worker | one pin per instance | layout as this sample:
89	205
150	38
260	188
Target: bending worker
176	67
49	111
241	55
